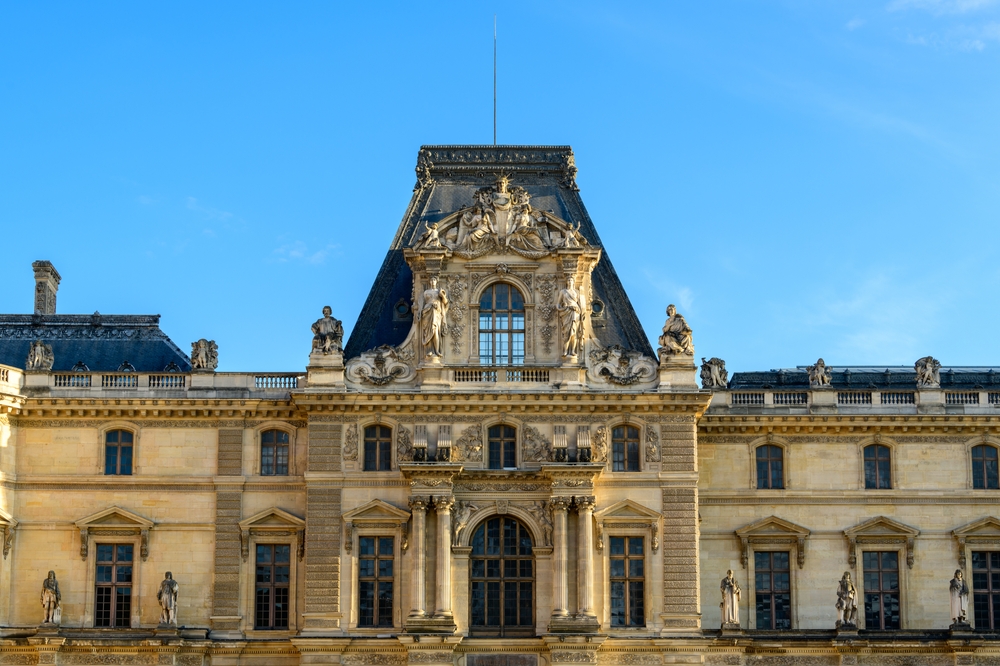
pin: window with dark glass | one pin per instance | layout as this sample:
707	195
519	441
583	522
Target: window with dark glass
501	326
378	448
986	589
877	467
770	467
984	467
271	591
624	449
375	580
772	590
881	569
113	595
502	579
274	453
118	452
502	447
628	578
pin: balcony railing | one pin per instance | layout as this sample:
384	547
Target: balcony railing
501	375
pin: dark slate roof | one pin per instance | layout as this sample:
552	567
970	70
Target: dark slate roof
448	177
102	342
881	378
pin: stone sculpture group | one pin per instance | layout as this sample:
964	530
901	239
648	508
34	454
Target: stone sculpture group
51	600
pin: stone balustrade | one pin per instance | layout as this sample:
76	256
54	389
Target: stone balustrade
856	400
202	384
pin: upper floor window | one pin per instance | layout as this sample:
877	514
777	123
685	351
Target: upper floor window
378	448
274	453
118	452
984	468
502	572
501	325
113	593
627	563
878	467
625	449
375	581
502	447
770	467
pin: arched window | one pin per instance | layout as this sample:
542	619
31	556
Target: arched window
984	468
118	453
878	467
502	579
770	467
502	447
274	453
501	325
624	449
378	448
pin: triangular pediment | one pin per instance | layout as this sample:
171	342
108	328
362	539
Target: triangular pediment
272	518
114	517
880	526
984	527
377	511
626	510
772	526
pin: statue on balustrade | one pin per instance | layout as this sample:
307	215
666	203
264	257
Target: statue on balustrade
40	357
819	375
51	599
730	601
167	596
847	603
677	336
328	333
959	599
204	355
433	309
571	310
928	372
713	373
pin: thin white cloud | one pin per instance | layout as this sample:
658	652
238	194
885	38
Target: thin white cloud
939	7
209	212
146	200
680	295
961	38
299	251
854	23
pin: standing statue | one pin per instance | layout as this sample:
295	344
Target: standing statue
959	599
167	596
328	333
819	375
433	308
51	598
928	372
730	601
847	603
677	335
40	357
714	373
571	308
204	355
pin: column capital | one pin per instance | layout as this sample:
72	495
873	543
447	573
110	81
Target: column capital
444	504
586	503
419	503
560	503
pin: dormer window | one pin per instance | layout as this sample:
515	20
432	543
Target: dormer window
501	325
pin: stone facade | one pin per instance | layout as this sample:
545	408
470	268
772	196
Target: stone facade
343	514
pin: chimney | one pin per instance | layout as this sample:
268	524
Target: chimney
46	285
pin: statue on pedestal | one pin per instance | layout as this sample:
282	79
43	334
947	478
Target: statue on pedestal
730	601
847	603
928	372
40	357
167	596
677	335
713	373
571	313
959	600
328	333
433	311
819	375
51	599
204	355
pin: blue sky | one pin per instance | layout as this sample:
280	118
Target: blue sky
803	179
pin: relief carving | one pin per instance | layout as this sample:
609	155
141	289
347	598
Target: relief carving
458	313
469	446
351	442
463	513
714	374
599	445
620	366
652	444
204	355
404	446
536	447
40	357
546	310
928	372
380	366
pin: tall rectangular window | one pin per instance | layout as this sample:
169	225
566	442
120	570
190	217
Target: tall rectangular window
501	325
502	447
273	575
985	474
625	449
378	448
375	581
881	570
877	467
113	594
772	590
628	578
986	589
770	467
274	453
118	452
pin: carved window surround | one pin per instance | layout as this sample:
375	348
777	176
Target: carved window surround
255	453
880	531
9	525
376	519
772	531
626	519
271	526
786	459
982	534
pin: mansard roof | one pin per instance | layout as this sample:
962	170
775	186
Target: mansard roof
102	342
448	178
885	378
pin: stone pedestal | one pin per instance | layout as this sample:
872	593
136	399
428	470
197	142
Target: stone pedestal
960	628
167	631
678	372
325	370
731	629
847	631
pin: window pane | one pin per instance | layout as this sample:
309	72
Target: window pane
110	459
617	545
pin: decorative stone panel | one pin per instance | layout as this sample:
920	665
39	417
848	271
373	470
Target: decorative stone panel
324	446
230	452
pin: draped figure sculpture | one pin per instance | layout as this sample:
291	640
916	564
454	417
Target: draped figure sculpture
847	602
677	335
167	596
959	590
51	598
433	311
571	313
730	600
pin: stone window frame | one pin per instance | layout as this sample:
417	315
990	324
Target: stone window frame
131	529
893	447
376	518
969	445
628	518
271	526
518	427
772	534
476	293
786	476
102	432
627	423
258	432
881	534
394	461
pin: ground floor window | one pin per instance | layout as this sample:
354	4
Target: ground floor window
772	590
113	595
273	575
881	569
986	589
628	578
502	579
375	579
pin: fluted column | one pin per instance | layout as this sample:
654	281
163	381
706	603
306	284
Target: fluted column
443	507
560	558
418	506
585	557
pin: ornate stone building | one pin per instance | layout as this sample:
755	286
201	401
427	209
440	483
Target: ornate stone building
496	469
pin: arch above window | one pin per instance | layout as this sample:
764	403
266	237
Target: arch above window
275	445
769	465
501	325
985	467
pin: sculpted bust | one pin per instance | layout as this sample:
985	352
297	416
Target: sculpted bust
328	333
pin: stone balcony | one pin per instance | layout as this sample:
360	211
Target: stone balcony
855	401
269	385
